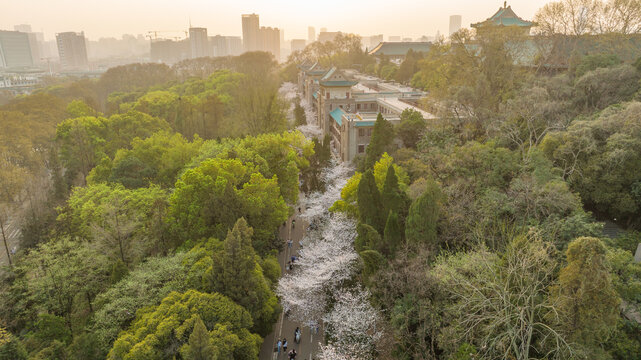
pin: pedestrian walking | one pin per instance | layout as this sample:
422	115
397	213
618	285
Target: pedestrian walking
300	243
290	243
299	209
297	335
284	345
293	223
279	346
292	354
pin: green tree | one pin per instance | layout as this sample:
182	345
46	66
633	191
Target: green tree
10	347
393	198
381	140
200	346
160	331
585	297
236	274
393	235
369	202
411	128
422	221
299	113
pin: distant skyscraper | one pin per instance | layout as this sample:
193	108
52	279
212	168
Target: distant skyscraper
270	41
311	34
72	50
198	42
251	27
298	44
282	36
15	49
235	45
455	23
22	28
325	36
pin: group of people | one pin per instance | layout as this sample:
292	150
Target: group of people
281	345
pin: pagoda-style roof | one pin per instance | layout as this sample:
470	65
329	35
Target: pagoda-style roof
505	16
335	78
399	48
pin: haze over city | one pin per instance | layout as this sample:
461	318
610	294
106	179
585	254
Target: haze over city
113	18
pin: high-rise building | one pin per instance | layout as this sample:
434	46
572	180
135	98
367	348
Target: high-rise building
326	36
15	49
235	45
311	34
251	27
455	23
270	41
169	51
282	36
198	42
298	44
22	28
72	49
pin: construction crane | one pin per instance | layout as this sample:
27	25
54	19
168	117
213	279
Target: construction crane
153	35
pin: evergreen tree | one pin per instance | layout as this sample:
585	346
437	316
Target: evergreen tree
392	236
235	273
299	113
421	224
382	138
585	297
368	238
200	346
372	262
393	198
369	202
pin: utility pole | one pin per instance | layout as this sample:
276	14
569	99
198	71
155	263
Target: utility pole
4	238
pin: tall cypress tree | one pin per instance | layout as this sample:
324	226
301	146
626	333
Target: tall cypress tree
394	199
421	224
369	202
382	138
200	346
393	234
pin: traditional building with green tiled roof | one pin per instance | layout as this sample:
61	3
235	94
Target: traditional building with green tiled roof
504	17
398	50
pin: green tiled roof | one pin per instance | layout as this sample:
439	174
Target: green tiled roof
504	16
338	83
337	114
364	123
399	48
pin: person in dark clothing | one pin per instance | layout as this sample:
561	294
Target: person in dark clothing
292	354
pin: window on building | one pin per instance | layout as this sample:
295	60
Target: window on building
358	106
330	107
361	148
364	106
369	132
347	94
361	132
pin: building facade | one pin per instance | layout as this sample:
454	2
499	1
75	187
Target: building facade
311	34
198	42
347	104
504	18
298	44
15	50
251	28
269	40
72	50
455	23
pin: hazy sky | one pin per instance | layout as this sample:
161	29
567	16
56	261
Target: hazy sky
107	18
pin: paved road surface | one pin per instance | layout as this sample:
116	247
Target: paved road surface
284	328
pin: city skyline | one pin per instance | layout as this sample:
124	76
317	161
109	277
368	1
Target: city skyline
96	18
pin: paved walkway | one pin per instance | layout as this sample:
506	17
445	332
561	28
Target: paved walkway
285	328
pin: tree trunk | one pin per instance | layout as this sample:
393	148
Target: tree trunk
4	238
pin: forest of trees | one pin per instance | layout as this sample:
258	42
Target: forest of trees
151	208
152	196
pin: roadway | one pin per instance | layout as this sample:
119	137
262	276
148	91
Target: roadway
284	328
